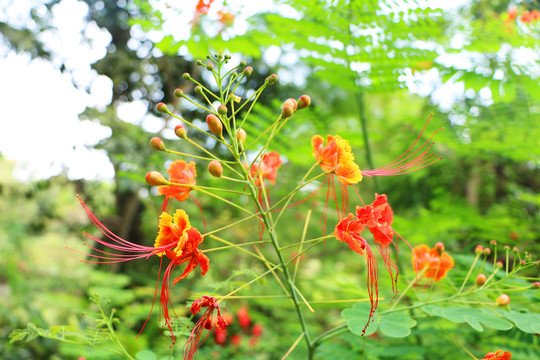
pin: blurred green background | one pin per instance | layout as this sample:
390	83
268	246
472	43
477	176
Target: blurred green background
375	71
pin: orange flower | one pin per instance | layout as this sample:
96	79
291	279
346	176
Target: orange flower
378	217
176	238
180	172
226	18
336	156
437	265
267	168
203	6
498	355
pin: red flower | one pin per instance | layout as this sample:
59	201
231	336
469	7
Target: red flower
437	265
203	6
378	217
266	169
243	317
180	172
176	239
205	322
498	355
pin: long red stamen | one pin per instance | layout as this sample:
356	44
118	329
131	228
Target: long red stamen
406	162
372	283
200	209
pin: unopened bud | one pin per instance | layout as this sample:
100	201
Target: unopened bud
287	112
180	131
481	280
178	92
241	136
157	144
487	251
186	76
234	73
214	124
304	102
247	71
236	98
199	62
154	178
507	247
493	243
523	262
228	57
499	264
209	66
536	285
439	247
162	108
272	79
515	249
222	110
290	102
243	63
479	249
198	89
257	330
215	168
503	300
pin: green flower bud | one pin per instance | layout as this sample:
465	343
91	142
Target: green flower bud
180	131
241	136
209	66
287	112
178	92
247	71
198	89
186	76
157	144
162	108
272	79
242	63
222	109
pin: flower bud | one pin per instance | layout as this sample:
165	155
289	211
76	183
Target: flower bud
503	300
236	339
290	102
523	262
257	330
234	73
180	131
439	247
228	57
247	71
243	63
178	92
154	178
480	279
241	136
499	264
507	247
272	79
198	89
215	168
199	62
287	112
243	317
515	249
162	108
493	243
222	110
186	76
536	285
487	251
157	144
304	102
209	66
214	124
236	98
479	250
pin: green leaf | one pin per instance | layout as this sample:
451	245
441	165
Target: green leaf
526	322
357	319
397	324
145	355
477	318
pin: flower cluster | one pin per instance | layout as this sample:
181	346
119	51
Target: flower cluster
435	262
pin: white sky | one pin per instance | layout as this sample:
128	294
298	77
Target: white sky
39	106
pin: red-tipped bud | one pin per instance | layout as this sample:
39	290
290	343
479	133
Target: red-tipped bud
243	63
214	124
503	300
236	340
199	62
523	262
162	108
290	102
222	110
439	247
247	71
198	89
241	136
493	243
507	247
479	250
481	280
536	285
287	112
243	317
272	79
215	168
209	66
157	144
515	249
220	336
257	330
155	179
180	131
487	251
178	92
499	264
186	76
304	102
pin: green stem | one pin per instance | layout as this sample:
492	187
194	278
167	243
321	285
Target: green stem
468	274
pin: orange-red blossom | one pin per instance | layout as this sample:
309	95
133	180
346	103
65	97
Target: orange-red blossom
436	265
336	156
180	172
267	168
498	355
